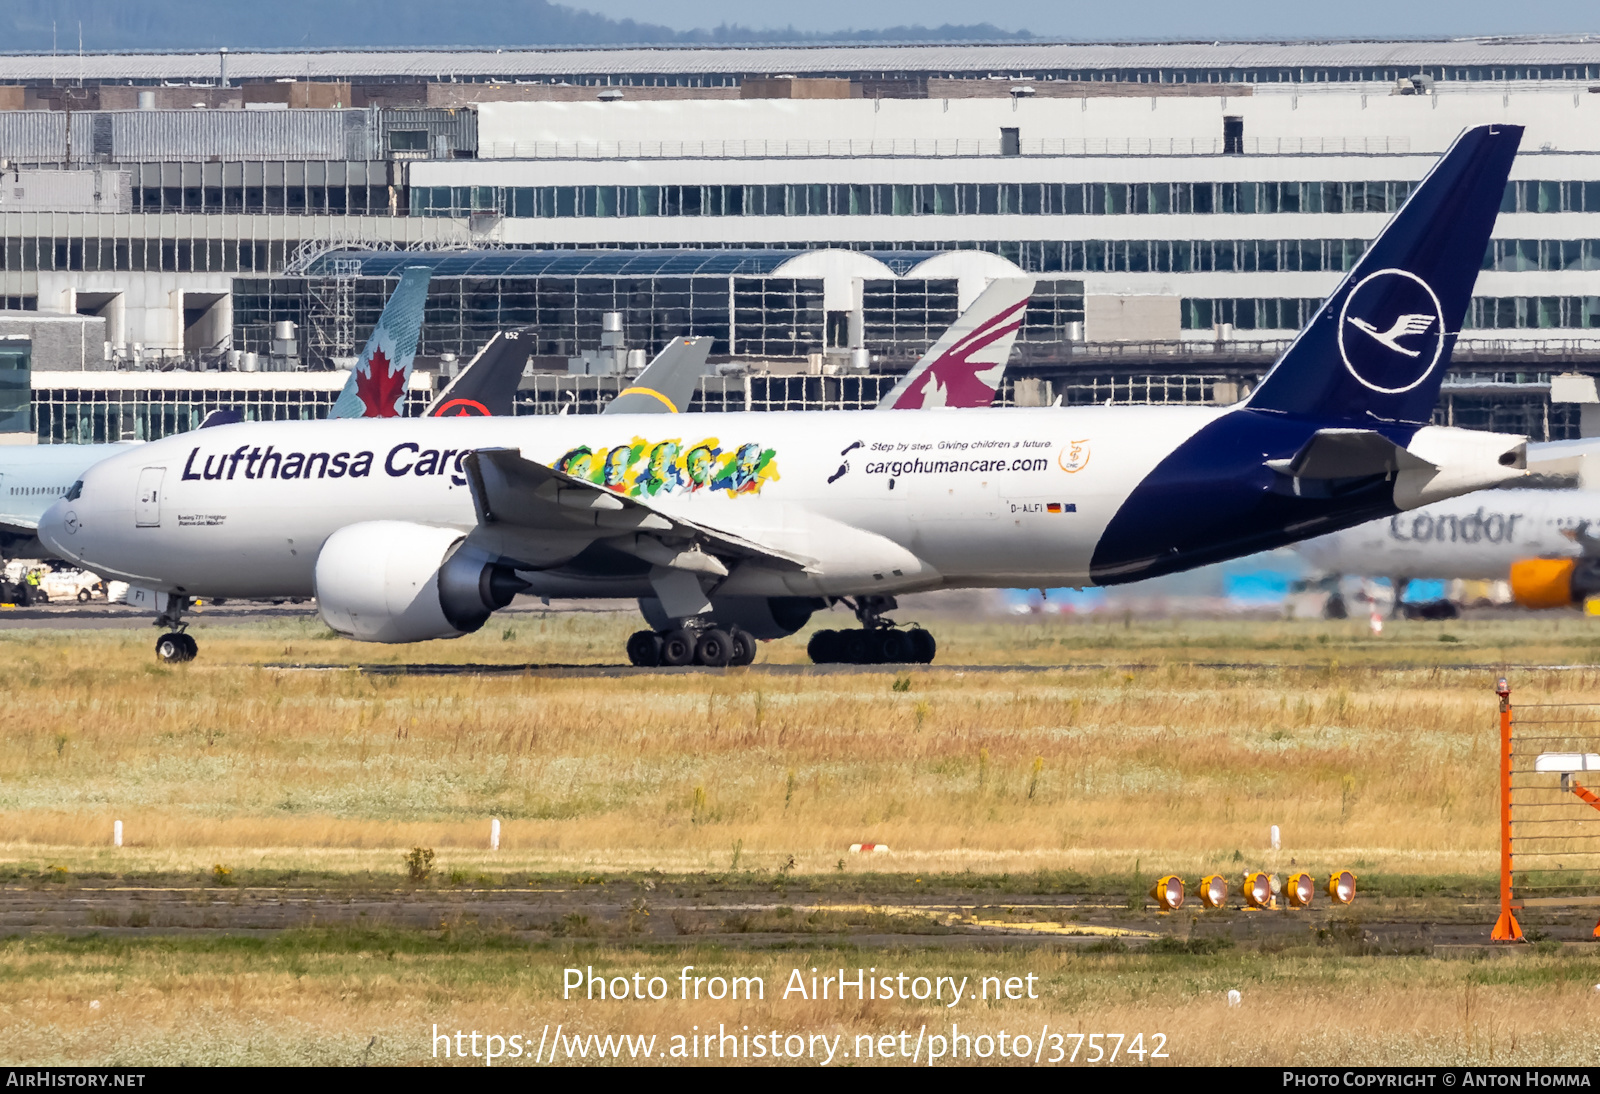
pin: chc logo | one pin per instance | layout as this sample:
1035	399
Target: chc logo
1391	331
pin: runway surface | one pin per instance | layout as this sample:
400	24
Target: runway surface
765	913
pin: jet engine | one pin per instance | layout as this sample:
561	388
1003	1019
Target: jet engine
393	581
1554	582
762	616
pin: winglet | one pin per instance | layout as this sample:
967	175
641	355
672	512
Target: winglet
377	385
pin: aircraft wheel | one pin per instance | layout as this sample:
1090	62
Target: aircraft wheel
174	647
644	649
677	647
191	645
744	646
896	648
923	646
824	648
715	648
854	647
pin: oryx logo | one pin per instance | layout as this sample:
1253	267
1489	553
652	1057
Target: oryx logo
1391	331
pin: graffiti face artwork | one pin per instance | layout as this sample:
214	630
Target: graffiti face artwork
617	461
662	474
579	463
699	466
646	469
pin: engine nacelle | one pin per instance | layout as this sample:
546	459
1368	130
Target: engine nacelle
762	616
1554	582
393	581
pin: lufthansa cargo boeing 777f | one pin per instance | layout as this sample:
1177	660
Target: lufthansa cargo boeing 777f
730	527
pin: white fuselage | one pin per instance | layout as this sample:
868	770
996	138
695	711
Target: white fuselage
979	497
1476	536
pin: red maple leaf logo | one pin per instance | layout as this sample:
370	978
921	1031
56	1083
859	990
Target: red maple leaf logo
380	389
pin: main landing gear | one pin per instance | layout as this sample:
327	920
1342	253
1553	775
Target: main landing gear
880	641
176	645
712	647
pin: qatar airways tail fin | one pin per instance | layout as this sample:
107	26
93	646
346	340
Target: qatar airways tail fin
964	368
377	385
1379	346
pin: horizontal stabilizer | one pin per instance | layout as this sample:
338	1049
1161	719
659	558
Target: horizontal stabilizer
1348	454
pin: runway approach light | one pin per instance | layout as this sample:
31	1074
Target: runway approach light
1257	890
1168	893
1213	890
1302	887
1342	887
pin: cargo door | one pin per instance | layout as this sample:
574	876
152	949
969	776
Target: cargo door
147	506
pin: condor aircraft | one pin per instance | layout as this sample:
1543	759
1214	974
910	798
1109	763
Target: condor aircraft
1544	542
738	525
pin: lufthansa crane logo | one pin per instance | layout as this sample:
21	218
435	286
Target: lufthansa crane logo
1391	331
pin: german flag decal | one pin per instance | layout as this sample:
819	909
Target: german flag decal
1058	507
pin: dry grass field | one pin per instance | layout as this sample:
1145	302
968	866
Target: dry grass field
1154	757
334	998
1128	747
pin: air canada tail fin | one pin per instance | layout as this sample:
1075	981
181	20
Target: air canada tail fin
487	386
377	385
964	367
667	383
1379	346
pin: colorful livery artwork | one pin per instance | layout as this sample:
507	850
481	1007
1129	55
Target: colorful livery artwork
647	469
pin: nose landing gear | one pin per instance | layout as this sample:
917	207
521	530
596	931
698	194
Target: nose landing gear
176	645
712	647
880	641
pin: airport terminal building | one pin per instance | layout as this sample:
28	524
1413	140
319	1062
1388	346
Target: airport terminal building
821	213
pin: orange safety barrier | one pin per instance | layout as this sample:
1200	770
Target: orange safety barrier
1506	928
1585	793
1549	839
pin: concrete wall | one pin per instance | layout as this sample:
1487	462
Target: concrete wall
1131	318
60	343
1275	121
146	309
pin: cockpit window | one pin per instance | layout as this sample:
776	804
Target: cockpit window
76	491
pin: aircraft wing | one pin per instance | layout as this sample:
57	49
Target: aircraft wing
12	524
487	386
522	505
666	386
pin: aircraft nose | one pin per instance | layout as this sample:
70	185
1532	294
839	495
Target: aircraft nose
59	528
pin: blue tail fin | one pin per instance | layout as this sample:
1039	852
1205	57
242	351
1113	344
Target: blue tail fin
1379	346
377	385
